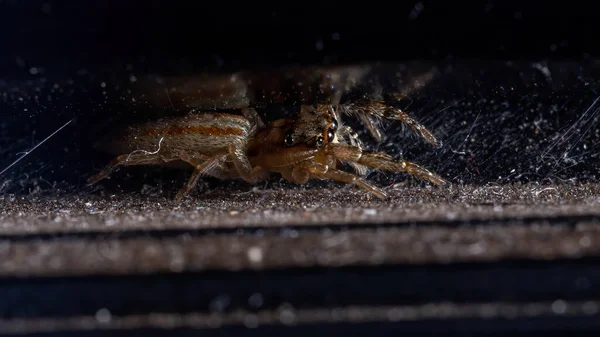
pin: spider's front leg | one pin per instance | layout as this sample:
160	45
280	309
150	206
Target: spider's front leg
381	161
310	169
370	112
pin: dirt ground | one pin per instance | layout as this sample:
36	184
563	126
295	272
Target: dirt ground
269	229
287	227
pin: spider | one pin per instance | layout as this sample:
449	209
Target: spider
227	146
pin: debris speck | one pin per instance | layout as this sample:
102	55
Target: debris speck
319	45
559	307
103	316
256	300
370	211
416	11
251	321
590	308
220	303
287	316
255	254
585	241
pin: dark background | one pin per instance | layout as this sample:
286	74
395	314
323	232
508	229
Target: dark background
226	35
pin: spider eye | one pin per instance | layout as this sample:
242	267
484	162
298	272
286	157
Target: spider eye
334	124
319	141
330	135
289	139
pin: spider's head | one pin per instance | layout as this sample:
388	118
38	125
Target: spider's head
315	126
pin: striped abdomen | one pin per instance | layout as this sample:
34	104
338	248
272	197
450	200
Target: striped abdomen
194	134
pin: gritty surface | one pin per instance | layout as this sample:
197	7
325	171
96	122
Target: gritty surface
230	208
256	229
260	229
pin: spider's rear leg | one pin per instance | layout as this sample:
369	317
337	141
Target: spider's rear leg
200	168
213	166
147	158
383	162
204	165
130	160
369	112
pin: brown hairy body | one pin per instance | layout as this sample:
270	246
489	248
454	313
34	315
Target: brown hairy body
228	146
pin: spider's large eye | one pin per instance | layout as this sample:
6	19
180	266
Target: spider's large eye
319	141
334	124
330	135
289	139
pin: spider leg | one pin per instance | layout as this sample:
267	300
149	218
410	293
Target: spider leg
130	160
212	166
306	170
200	168
244	168
382	161
346	131
251	115
348	136
373	125
369	112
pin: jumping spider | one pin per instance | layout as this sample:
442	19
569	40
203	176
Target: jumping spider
228	146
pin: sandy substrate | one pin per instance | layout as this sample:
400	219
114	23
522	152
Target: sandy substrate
233	230
241	229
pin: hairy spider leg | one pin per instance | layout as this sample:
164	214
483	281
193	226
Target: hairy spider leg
370	112
201	166
382	161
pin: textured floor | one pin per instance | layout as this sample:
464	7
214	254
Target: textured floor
75	242
227	207
287	227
